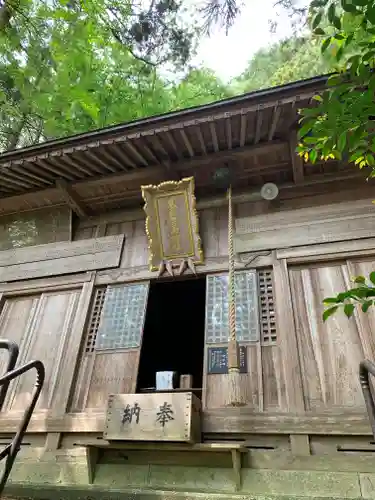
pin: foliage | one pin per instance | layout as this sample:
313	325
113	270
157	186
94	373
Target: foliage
363	294
292	59
340	125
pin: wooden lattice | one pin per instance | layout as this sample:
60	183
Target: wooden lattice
247	309
268	331
93	324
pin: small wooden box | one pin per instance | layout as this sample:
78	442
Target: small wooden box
154	417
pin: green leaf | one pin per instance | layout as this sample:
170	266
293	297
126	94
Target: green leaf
317	19
339	53
326	44
366	305
313	155
337	22
330	300
341	143
331	13
328	312
349	7
348	310
360	279
370	14
372	277
319	31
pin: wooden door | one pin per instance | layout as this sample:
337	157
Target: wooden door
40	325
111	347
329	352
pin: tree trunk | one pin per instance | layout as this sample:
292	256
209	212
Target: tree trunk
6	13
15	134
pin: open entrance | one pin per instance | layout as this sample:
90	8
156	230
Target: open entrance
173	336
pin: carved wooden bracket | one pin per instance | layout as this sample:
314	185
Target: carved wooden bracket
169	267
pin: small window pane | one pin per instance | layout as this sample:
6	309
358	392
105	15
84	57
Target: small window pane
247	313
122	318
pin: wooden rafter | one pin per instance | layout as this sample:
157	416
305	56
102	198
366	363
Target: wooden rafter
201	140
72	199
258	126
214	137
243	130
187	143
275	118
134	151
228	132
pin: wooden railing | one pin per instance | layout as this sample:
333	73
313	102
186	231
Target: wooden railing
9	453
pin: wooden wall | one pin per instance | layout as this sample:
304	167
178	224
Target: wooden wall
304	367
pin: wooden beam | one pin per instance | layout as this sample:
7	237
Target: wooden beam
220	421
296	160
72	199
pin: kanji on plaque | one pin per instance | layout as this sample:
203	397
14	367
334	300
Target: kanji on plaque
165	414
130	412
154	416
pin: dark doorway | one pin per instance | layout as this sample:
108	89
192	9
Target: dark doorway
173	336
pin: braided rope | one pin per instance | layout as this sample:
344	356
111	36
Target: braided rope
232	291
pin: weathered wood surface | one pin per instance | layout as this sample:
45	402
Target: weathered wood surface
43	326
60	258
330	352
103	373
153	417
328	223
220	421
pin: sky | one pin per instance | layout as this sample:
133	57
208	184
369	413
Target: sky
228	54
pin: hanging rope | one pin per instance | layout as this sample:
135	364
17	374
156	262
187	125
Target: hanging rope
232	289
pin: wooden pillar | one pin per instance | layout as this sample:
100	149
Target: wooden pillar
288	338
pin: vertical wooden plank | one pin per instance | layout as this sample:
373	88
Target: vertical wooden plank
52	441
70	357
100	230
330	351
300	444
288	339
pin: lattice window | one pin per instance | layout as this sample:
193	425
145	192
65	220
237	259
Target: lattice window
268	332
122	318
247	308
94	320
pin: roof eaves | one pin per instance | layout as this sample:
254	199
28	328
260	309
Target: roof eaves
311	84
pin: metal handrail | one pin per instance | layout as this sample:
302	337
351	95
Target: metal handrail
367	368
9	453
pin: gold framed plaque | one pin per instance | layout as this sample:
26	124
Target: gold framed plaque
172	223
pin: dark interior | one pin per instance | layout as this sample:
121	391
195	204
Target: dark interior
173	336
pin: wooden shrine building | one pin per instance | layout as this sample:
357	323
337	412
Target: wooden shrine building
106	302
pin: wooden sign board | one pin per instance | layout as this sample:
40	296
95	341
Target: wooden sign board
154	417
217	360
172	222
